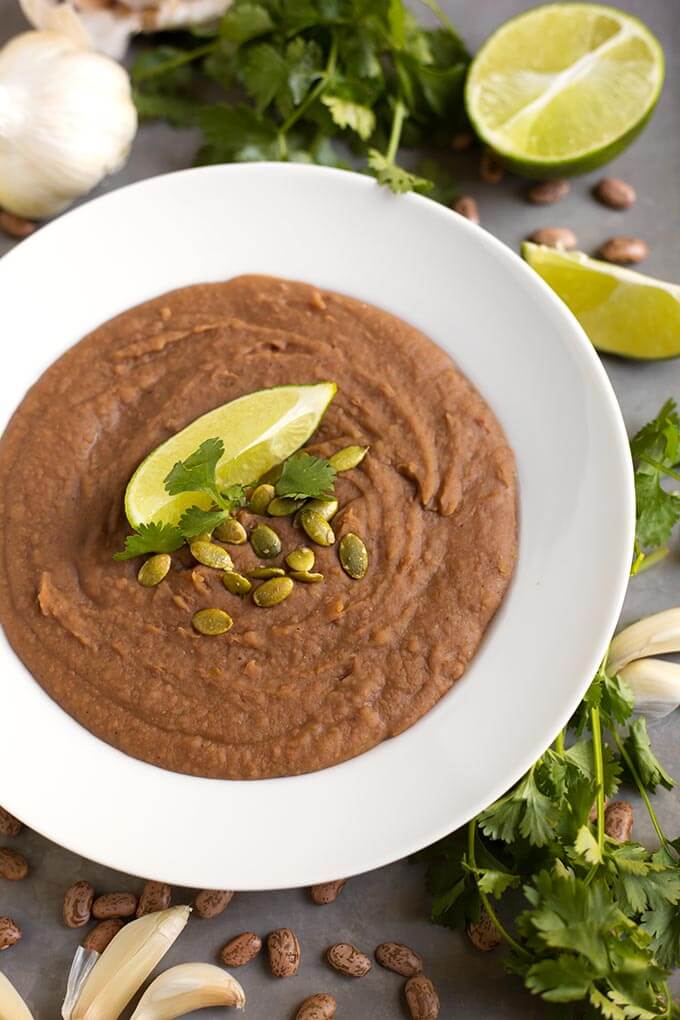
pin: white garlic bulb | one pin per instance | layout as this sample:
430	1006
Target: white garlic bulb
66	121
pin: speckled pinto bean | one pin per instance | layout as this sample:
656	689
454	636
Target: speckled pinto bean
13	865
327	892
211	902
9	825
100	936
241	949
77	908
155	896
115	904
10	933
283	951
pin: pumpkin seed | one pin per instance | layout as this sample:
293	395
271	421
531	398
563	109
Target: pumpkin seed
327	508
353	556
347	458
211	555
154	570
300	559
231	531
282	506
205	536
272	592
306	577
316	527
265	542
212	622
261	498
236	583
262	573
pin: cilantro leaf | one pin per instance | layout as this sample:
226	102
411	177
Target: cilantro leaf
656	453
351	115
663	924
194	521
245	21
197	472
647	765
306	477
236	134
562	979
151	538
525	811
395	177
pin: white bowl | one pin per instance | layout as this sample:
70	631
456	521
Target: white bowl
532	362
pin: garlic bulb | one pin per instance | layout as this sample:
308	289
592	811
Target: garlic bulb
655	684
66	120
111	23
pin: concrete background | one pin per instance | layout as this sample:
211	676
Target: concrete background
391	903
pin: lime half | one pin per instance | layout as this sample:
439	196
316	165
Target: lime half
623	312
564	88
258	430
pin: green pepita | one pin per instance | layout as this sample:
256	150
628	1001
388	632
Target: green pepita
318	529
282	506
301	559
347	458
353	556
327	508
265	542
231	531
261	498
154	570
306	576
263	573
212	622
236	583
205	536
271	593
211	555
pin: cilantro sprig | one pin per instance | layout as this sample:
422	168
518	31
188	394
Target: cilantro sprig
656	456
313	81
196	474
600	922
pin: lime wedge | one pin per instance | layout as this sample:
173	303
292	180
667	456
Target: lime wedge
259	430
623	312
564	88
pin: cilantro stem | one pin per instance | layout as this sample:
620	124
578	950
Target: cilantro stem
472	835
643	561
659	467
559	742
174	62
311	98
400	113
663	839
598	760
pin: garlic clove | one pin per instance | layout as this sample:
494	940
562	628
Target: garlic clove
655	635
655	684
12	1006
126	963
187	987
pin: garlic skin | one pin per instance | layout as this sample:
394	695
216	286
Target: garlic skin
126	963
655	684
12	1006
110	24
66	121
189	986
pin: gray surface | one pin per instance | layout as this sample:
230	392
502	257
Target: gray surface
390	903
